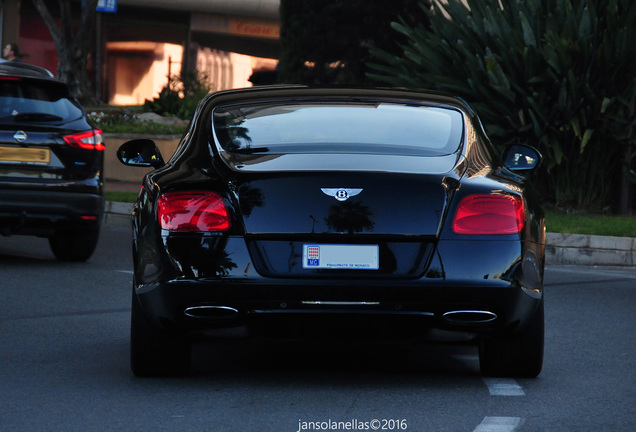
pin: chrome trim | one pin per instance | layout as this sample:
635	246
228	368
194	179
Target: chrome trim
327	311
469	317
211	312
339	303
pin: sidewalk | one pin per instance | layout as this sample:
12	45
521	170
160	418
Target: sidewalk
561	249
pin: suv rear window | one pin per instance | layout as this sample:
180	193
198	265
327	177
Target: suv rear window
24	100
338	127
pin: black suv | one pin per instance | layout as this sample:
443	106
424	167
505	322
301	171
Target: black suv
51	163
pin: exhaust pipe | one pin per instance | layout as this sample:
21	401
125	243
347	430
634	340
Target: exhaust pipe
211	312
469	317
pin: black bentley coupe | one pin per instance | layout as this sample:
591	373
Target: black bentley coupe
327	212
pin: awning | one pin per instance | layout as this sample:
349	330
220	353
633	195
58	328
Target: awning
252	8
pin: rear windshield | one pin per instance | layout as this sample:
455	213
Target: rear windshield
335	127
31	101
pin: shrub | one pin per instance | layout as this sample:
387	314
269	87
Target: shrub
180	96
126	120
556	74
109	119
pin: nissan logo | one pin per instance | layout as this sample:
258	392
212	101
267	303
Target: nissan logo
20	136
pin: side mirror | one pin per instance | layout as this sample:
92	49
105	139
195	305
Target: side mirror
521	157
140	153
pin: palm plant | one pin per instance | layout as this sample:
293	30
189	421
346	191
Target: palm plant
557	74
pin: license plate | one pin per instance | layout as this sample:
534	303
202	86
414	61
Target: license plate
19	154
344	257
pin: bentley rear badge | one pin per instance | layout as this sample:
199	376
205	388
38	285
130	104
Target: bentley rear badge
341	194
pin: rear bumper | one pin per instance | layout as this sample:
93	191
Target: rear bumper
43	212
339	308
480	287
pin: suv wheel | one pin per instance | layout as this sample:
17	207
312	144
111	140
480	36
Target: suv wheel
520	355
74	245
152	352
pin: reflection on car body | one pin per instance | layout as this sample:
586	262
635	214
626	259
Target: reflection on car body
330	212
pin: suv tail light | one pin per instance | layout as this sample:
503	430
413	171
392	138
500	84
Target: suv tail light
91	140
489	214
192	211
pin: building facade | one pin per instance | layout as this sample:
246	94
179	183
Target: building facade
139	44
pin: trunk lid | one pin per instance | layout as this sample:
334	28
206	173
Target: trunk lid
338	203
395	216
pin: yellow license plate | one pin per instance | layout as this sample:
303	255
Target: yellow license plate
19	154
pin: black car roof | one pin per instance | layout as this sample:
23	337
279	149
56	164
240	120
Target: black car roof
291	91
15	68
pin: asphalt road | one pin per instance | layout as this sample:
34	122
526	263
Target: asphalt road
64	364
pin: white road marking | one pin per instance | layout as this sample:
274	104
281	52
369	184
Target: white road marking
499	424
125	271
503	387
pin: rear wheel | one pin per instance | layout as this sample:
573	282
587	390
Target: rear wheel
74	245
520	355
152	352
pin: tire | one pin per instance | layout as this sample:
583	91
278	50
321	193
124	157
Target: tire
74	245
152	352
520	355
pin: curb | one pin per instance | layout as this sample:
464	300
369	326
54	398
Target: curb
566	249
117	213
560	249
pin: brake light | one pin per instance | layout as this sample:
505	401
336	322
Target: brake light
489	214
91	140
192	211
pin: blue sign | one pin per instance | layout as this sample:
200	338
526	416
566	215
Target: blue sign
107	6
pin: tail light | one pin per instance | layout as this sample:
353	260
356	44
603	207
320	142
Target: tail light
192	211
489	214
91	140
